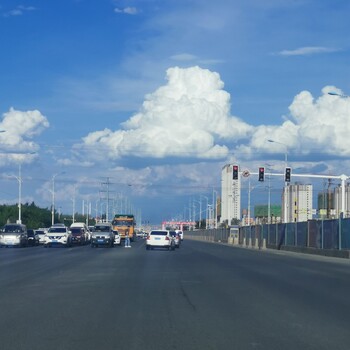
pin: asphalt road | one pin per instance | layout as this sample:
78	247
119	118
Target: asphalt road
201	296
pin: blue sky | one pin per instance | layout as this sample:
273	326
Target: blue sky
159	95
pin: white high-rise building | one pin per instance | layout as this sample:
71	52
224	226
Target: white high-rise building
298	205
230	195
338	201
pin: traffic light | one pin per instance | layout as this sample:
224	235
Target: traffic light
261	174
235	172
287	175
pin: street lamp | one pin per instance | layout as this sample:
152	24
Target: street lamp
285	183
343	177
200	212
53	197
19	179
285	153
215	214
206	211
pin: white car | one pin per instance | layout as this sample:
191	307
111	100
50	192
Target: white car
41	232
117	239
181	234
58	235
160	239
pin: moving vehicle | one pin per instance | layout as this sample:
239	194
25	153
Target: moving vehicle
160	239
125	225
58	235
41	232
181	234
176	238
14	235
102	235
117	239
33	238
80	233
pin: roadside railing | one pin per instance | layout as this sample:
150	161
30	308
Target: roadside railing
325	237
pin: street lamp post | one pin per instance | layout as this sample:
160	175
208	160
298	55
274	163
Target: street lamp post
215	214
285	183
200	212
206	211
53	197
19	179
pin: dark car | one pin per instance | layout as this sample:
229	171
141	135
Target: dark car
33	238
78	235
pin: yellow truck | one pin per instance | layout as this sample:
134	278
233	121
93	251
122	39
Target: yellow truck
125	225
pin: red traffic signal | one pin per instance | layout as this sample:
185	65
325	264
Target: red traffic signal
261	174
235	172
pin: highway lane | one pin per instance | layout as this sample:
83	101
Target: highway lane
201	296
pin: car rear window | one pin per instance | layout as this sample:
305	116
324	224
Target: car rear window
57	229
76	231
102	228
159	233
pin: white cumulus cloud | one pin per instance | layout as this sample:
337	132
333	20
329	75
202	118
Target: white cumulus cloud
187	117
315	126
19	128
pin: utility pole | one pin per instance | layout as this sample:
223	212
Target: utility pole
106	185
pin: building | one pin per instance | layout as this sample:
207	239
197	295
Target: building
338	201
261	213
297	203
230	195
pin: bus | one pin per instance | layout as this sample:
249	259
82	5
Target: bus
125	225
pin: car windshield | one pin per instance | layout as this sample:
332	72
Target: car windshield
121	223
13	229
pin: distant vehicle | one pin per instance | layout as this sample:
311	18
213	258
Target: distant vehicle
125	225
14	235
41	232
80	233
176	238
58	235
102	235
33	238
181	233
160	239
117	239
139	234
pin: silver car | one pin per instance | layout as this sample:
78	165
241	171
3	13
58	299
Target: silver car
14	235
102	235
